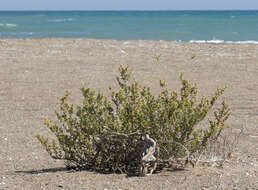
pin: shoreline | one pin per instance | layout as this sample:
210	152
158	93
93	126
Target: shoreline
216	41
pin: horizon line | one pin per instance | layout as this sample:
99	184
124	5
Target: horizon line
132	10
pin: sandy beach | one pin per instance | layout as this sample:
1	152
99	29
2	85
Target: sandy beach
35	72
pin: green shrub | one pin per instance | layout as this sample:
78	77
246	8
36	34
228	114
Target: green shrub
134	130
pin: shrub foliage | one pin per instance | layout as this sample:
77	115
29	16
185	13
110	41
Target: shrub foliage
134	130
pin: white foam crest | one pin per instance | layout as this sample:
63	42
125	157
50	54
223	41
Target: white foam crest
61	20
247	42
8	25
207	41
222	41
11	25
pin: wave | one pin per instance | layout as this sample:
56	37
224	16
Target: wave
223	41
8	25
61	20
19	34
11	25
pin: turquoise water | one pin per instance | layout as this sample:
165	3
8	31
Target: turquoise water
132	25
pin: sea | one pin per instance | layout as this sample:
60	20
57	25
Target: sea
180	26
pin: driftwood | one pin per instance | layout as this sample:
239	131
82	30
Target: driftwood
136	152
148	160
142	155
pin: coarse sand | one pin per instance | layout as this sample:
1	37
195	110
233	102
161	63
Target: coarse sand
35	72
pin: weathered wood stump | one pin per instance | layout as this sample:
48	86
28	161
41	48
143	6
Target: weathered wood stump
148	160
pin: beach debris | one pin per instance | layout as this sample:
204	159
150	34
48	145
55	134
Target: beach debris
253	136
143	154
2	181
193	56
123	52
148	161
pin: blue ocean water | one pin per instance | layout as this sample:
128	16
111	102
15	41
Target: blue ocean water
132	25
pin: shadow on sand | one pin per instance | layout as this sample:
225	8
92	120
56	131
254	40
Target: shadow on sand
49	170
72	170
